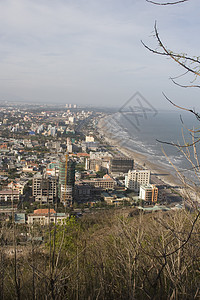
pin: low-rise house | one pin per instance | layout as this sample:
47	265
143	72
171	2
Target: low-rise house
115	198
17	186
44	216
29	169
4	146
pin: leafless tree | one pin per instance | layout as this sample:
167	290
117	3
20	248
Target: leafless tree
180	237
191	66
166	3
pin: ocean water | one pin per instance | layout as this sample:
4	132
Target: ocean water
148	133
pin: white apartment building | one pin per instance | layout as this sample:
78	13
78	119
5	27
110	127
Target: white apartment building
149	193
136	178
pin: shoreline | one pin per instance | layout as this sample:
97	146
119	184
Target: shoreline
159	173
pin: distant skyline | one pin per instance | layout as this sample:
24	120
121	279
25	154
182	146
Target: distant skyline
90	52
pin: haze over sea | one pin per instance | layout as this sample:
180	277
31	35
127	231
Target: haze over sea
140	132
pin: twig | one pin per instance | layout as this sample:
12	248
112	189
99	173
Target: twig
166	3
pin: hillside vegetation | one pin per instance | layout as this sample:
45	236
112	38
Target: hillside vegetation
106	255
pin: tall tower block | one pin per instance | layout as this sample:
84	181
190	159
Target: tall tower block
66	180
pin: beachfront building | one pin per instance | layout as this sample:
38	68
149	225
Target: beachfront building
121	164
149	193
136	178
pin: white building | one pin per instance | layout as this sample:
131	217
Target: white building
43	217
71	119
149	193
89	139
100	155
135	178
17	186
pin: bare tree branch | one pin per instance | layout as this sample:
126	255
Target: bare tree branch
175	55
181	75
188	238
191	131
184	86
177	145
183	108
167	3
176	58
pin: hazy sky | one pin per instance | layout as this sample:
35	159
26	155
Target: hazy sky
89	51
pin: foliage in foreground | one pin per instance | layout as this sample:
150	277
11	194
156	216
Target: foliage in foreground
108	256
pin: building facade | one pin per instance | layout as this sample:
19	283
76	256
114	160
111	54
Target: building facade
44	188
136	178
105	183
45	216
66	180
121	165
7	197
149	193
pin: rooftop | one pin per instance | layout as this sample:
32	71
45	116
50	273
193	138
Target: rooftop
44	211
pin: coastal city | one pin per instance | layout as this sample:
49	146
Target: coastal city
57	163
99	150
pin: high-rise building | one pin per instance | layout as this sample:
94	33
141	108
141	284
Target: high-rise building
149	193
121	164
66	180
136	178
44	188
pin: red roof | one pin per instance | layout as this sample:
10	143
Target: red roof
44	211
106	176
83	154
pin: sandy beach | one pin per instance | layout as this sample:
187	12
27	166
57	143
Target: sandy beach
157	171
